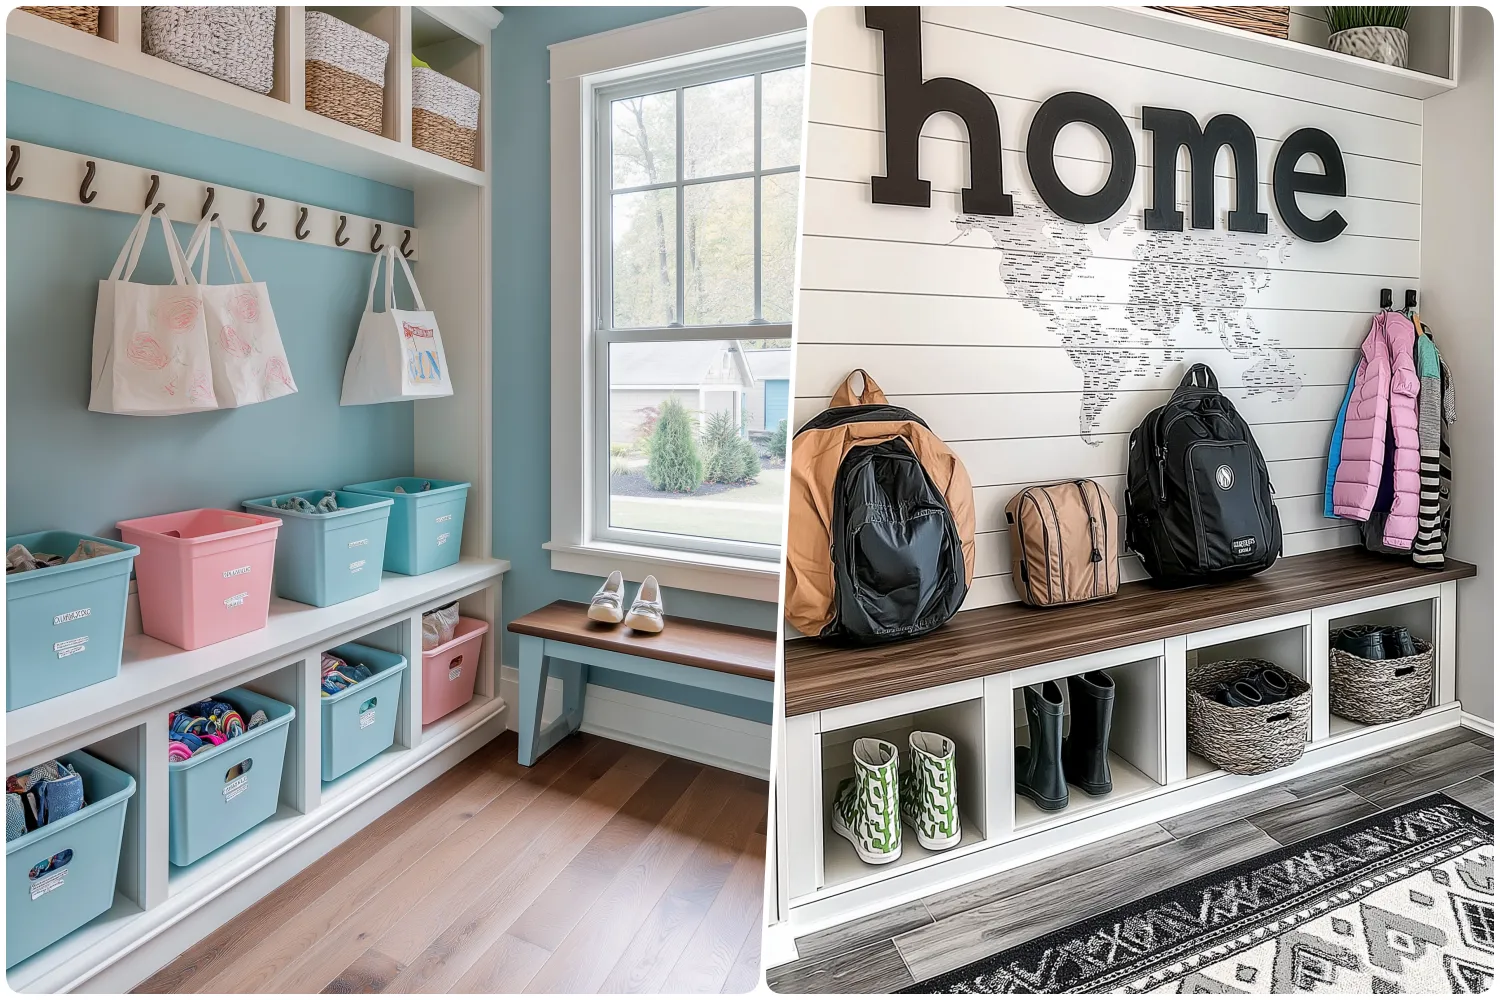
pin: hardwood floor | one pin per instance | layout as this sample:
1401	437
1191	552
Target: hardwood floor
604	868
906	944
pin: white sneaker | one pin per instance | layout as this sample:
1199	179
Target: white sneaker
646	613
608	605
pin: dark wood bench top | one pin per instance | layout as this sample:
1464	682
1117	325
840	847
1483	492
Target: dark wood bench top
728	649
993	640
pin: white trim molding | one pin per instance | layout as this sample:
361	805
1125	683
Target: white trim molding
1477	723
751	579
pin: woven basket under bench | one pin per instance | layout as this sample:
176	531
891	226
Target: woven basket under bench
236	44
444	115
345	72
1245	740
1273	21
1376	691
85	19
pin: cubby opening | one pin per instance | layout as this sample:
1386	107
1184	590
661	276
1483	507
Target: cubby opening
384	23
1137	744
391	639
963	723
1286	648
1419	618
455	56
464	661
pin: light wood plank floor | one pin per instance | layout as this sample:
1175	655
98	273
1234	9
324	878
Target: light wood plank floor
604	868
904	945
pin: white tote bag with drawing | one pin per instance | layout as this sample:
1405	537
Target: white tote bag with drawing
150	344
244	344
398	353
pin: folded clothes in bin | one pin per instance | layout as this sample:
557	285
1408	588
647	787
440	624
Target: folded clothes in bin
208	724
20	559
45	794
339	674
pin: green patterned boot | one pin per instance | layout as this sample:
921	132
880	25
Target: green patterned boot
865	808
929	791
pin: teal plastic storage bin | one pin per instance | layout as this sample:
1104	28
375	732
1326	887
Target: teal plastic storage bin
426	525
324	559
64	625
217	795
360	721
61	876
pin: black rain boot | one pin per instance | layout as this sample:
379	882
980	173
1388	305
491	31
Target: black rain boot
1085	752
1039	772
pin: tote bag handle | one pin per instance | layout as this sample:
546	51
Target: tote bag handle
202	238
130	254
389	256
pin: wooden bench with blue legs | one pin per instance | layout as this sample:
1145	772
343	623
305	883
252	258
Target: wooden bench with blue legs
560	640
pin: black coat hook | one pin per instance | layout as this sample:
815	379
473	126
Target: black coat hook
339	239
404	241
11	162
255	224
84	194
301	233
159	206
151	194
207	204
375	245
1385	298
1411	299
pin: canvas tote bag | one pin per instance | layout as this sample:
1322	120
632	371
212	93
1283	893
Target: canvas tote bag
150	345
398	353
244	344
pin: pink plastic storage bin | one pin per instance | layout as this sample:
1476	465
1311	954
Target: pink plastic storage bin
203	575
448	671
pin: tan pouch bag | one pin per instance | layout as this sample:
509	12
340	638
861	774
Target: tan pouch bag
1064	543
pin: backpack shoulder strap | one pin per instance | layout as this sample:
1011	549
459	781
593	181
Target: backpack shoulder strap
858	388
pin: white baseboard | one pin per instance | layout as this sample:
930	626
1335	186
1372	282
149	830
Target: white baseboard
680	730
1479	725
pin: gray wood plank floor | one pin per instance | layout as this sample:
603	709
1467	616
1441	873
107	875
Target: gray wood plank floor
941	932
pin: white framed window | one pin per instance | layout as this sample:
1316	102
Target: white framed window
688	176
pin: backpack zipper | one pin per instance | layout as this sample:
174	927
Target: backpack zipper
1046	539
1095	556
1062	564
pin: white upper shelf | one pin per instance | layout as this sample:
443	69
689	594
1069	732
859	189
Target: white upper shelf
1192	33
52	57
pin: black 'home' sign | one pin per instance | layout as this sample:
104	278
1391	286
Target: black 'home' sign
910	101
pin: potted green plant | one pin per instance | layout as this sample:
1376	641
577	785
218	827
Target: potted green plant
1374	33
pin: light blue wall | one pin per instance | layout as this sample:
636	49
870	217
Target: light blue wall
522	341
777	393
69	468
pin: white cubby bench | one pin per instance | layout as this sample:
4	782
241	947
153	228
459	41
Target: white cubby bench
965	681
160	909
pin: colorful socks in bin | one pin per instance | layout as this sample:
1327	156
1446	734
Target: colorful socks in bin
206	725
328	505
339	674
45	794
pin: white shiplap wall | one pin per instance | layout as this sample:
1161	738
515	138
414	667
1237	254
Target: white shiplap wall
918	300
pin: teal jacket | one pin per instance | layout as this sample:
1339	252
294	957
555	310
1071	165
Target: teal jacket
1336	447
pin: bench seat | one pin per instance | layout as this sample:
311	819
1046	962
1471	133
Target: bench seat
560	639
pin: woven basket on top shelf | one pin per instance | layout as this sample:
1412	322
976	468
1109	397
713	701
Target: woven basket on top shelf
1376	691
1245	740
444	115
345	72
1273	21
235	44
82	18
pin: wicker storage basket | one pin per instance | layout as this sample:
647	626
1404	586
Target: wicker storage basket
237	44
444	115
1376	691
345	72
1245	740
82	18
1273	21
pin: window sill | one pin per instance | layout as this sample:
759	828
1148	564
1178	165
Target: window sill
750	579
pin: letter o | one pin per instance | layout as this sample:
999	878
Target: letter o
1057	112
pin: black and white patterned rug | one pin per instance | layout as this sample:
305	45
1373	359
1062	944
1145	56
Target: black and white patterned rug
1399	902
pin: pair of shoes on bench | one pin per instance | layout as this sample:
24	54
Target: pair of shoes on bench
645	614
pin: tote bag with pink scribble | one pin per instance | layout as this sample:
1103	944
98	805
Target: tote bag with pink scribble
244	344
150	344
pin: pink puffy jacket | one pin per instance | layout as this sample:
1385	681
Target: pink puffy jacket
1385	392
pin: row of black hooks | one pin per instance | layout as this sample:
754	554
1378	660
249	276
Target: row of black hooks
86	195
1386	300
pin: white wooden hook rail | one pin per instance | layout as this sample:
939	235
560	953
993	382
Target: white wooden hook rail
60	175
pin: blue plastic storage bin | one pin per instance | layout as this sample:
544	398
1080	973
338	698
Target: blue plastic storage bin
426	525
62	875
360	721
324	559
64	625
216	795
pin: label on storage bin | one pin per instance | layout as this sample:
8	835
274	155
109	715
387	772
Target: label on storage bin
445	517
356	565
236	600
367	719
72	616
443	538
455	673
70	646
240	571
53	880
236	786
358	542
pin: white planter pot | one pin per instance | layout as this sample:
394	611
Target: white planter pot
1378	44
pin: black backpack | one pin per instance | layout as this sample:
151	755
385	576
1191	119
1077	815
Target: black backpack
898	560
1199	503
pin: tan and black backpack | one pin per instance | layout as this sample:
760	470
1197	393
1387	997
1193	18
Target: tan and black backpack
1064	543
